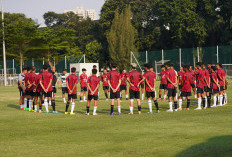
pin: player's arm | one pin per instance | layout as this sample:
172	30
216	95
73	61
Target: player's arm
143	78
171	81
216	82
74	85
89	88
148	84
96	88
128	80
50	83
110	85
41	84
119	83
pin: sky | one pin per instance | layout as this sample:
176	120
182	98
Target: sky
36	8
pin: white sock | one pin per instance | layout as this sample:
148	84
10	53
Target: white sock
21	106
30	103
220	99
131	109
155	94
119	109
206	101
35	107
64	100
180	103
195	96
72	107
170	105
84	98
142	96
215	101
126	96
199	102
46	104
50	103
94	110
150	105
165	96
25	103
225	98
176	95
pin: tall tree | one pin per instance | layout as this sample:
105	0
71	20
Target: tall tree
121	38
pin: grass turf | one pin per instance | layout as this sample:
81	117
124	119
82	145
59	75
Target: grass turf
180	134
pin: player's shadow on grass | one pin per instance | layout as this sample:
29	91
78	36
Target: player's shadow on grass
13	106
214	147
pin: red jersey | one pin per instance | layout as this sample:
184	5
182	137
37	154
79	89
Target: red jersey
150	77
104	80
39	88
180	75
72	80
83	80
171	74
114	77
200	75
45	78
93	82
32	80
213	85
123	79
187	81
206	76
221	74
26	78
135	77
163	77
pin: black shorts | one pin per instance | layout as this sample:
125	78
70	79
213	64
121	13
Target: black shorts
200	90
163	86
54	89
123	87
225	87
38	94
142	86
221	88
171	92
106	87
64	90
134	94
150	94
214	91
180	87
72	96
21	92
193	85
32	93
206	89
48	94
185	94
115	95
90	97
83	89
27	93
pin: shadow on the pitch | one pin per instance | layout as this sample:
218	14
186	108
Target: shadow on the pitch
214	147
14	106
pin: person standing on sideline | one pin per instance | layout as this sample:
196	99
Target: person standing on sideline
83	83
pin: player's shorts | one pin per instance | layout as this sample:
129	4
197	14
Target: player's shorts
123	87
225	87
54	89
171	92
64	90
106	87
72	96
134	94
214	91
221	88
21	92
180	87
27	93
115	95
83	89
48	94
38	94
163	86
193	85
90	97
142	86
200	90
206	89
185	94
32	93
150	94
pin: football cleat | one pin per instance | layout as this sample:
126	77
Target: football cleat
66	113
139	112
214	106
150	112
199	108
159	99
187	109
179	109
72	113
81	100
87	114
131	113
164	99
55	112
158	111
94	114
169	110
111	113
175	110
119	113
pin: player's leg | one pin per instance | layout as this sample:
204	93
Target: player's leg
74	96
131	97
126	93
180	102
68	103
63	93
188	102
35	102
112	97
214	93
95	105
148	95
30	101
169	94
199	99
175	99
82	90
139	105
106	92
155	101
85	93
40	102
88	104
46	96
225	96
160	93
142	92
165	93
118	102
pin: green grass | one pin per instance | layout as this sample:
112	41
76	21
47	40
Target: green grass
180	134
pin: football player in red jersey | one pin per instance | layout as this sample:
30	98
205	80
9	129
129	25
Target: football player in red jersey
105	83
39	91
31	87
207	86
180	79
27	93
93	84
135	78
214	85
172	86
83	83
123	85
150	83
114	81
46	84
71	81
200	76
222	82
163	83
186	84
194	89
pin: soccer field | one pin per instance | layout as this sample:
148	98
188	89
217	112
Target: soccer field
180	134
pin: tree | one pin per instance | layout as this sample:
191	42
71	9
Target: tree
121	38
93	51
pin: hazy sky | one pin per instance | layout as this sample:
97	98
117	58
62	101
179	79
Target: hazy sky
36	8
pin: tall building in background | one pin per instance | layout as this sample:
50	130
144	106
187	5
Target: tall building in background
84	14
